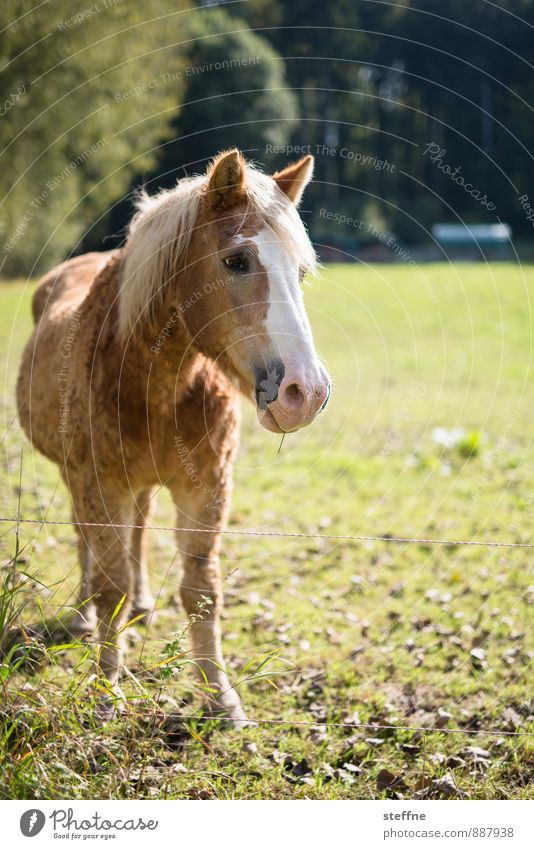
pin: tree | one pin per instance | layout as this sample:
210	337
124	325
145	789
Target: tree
235	94
384	80
81	98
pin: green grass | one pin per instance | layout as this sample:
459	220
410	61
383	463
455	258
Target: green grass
319	630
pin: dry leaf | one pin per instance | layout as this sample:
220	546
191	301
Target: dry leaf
446	786
386	780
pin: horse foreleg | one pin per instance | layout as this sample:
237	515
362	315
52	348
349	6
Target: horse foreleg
110	569
202	598
143	600
112	585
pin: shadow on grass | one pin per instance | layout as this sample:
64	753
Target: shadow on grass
26	646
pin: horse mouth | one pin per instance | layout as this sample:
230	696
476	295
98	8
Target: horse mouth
276	419
268	421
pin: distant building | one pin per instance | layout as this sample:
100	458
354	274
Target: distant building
474	241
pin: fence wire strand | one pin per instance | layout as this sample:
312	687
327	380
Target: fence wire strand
386	538
368	726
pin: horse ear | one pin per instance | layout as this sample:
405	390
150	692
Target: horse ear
294	179
226	179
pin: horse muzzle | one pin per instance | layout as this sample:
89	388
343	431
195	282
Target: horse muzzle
290	397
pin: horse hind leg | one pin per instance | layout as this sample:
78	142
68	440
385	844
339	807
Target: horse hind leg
143	600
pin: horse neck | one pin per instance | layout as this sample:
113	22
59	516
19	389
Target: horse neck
160	362
157	362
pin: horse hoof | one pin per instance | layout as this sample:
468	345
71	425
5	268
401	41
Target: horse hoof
231	714
110	706
108	709
105	711
241	721
145	610
82	624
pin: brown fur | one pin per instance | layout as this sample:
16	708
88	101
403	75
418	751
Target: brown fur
119	414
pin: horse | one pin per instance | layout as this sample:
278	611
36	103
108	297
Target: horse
132	377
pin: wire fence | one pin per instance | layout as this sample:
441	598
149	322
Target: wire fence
386	538
367	726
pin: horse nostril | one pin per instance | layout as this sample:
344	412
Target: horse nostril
293	397
294	393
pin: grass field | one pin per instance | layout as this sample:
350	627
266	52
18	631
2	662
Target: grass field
428	434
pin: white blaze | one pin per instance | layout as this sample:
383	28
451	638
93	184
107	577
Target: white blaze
287	322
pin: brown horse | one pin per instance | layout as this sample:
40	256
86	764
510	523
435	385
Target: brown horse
131	381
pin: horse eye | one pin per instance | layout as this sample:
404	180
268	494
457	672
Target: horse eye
237	262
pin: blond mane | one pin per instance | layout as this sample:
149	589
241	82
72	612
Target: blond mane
161	230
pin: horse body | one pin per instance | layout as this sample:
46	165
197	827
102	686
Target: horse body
104	383
131	381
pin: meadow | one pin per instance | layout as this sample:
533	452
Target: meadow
344	651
